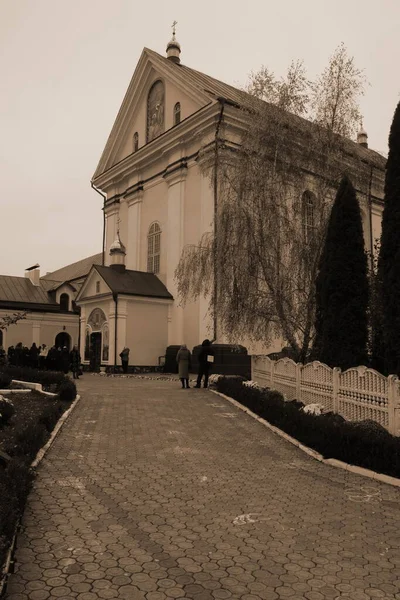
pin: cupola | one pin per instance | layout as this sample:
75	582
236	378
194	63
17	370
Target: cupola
117	254
173	47
362	137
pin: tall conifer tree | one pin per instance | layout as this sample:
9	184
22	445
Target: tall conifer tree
342	286
389	256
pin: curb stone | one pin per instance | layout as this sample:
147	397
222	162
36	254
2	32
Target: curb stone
9	563
333	462
41	453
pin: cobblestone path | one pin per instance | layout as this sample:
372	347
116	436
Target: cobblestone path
153	492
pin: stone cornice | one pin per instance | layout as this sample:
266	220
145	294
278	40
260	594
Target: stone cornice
201	121
134	194
176	172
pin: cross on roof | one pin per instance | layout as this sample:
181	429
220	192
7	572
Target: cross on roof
174	24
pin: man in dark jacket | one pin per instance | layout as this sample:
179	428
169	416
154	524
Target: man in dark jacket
205	358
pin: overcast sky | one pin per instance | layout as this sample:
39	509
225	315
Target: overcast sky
65	66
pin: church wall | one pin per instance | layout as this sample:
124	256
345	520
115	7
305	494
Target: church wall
139	118
90	288
40	328
147	331
154	208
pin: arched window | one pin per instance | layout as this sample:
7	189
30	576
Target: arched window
155	111
308	215
177	113
153	248
135	141
96	319
64	302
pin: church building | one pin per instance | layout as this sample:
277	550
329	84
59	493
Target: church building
156	200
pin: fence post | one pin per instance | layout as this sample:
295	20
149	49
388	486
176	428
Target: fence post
335	391
393	402
272	372
299	367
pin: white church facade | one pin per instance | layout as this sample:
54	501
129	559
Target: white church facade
157	200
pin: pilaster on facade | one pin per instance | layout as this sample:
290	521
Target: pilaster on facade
134	201
82	325
112	215
36	332
175	180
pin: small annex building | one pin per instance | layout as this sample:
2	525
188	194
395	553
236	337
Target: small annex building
52	316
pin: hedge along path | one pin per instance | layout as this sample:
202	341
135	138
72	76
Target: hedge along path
333	462
7	568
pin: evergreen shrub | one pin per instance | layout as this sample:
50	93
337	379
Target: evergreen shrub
7	410
5	380
362	444
67	391
46	378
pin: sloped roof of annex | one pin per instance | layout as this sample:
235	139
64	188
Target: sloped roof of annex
129	282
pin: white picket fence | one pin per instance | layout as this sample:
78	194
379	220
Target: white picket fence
357	394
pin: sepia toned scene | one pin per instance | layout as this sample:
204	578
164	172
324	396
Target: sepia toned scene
200	301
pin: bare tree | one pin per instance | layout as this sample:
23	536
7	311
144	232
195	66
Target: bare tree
291	93
264	259
335	94
12	319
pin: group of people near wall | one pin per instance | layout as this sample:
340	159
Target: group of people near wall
205	359
42	357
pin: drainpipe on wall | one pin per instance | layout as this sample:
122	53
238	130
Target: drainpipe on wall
115	297
104	196
216	165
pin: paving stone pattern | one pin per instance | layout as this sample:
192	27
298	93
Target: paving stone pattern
153	492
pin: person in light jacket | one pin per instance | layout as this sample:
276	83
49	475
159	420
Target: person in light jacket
184	360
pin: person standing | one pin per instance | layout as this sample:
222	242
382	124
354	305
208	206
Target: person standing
65	364
11	356
205	358
43	356
75	360
184	360
3	357
125	359
34	356
18	354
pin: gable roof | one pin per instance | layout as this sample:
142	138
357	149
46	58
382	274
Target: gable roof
21	289
133	283
211	89
74	271
214	88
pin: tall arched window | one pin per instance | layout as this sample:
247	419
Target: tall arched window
308	215
155	111
177	113
135	141
64	302
153	248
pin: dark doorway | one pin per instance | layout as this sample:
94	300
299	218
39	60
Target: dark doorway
95	351
63	339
